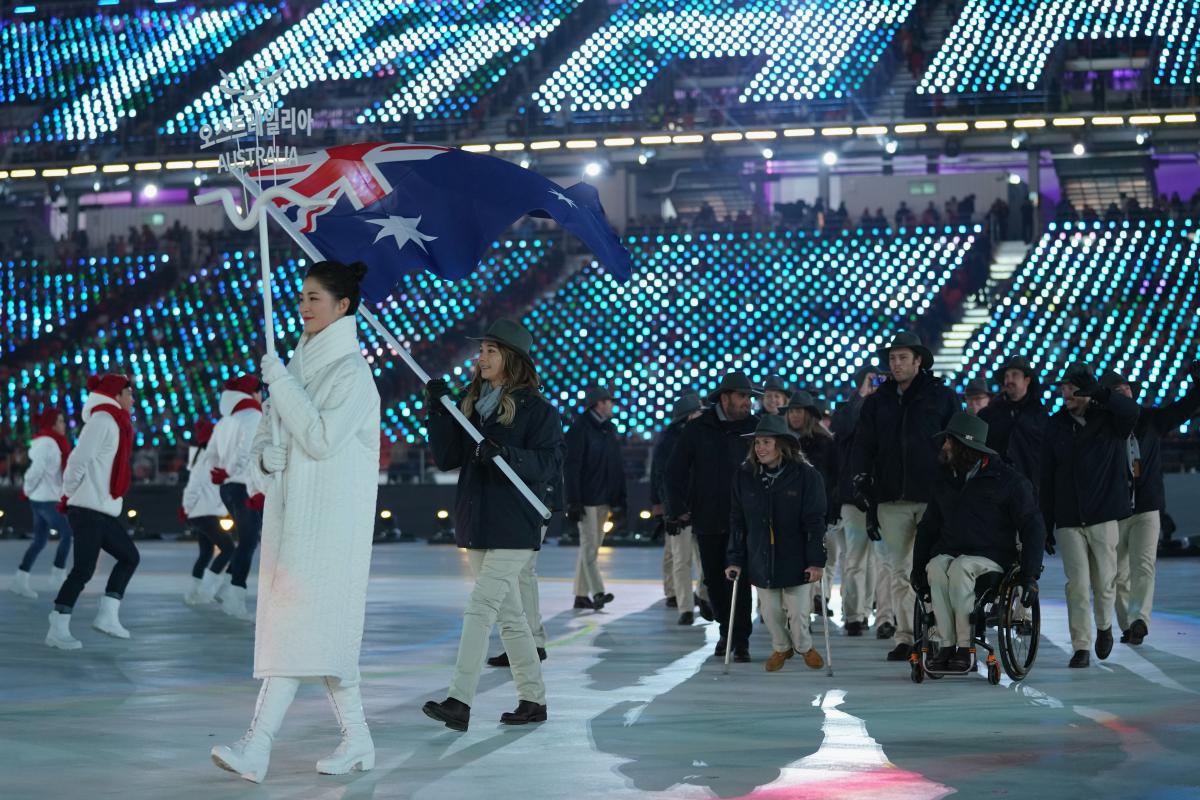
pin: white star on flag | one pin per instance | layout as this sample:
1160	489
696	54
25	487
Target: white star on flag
563	197
403	230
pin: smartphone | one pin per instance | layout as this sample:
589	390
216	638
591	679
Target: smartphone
878	380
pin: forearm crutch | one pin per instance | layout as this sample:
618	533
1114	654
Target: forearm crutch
729	630
825	628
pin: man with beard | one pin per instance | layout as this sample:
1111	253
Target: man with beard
977	395
1137	542
699	485
894	461
979	506
1017	419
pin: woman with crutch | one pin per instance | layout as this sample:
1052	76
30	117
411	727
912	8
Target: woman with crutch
499	528
777	533
317	451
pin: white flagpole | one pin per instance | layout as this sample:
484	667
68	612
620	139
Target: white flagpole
398	348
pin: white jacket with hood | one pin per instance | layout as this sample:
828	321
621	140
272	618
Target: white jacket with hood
232	437
88	475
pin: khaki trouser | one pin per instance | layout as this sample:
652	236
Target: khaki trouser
856	565
786	613
531	603
879	583
668	569
834	545
1089	556
952	588
497	596
683	553
898	527
1137	547
588	582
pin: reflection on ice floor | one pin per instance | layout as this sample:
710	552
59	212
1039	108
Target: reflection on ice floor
638	707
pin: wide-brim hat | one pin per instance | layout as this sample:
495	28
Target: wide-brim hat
685	405
909	340
970	431
803	399
595	394
508	333
977	387
772	425
1078	375
734	382
1016	362
1112	379
774	383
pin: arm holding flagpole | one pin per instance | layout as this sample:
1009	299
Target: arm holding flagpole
399	349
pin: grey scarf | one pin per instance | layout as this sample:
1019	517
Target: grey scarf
489	399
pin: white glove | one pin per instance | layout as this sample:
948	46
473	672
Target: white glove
272	369
274	458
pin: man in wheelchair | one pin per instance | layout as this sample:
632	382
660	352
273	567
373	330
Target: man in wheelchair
980	507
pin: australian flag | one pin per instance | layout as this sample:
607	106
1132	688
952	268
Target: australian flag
400	208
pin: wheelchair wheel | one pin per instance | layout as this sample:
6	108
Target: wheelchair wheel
1019	630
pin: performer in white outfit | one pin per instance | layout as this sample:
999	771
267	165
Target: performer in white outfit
318	525
202	510
42	485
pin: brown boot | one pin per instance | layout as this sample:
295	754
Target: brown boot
813	660
775	662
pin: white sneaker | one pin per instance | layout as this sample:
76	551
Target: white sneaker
210	584
20	585
59	635
57	576
107	620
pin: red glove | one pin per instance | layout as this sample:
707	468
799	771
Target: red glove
256	502
62	505
182	515
219	475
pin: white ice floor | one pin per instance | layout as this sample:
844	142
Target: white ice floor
638	708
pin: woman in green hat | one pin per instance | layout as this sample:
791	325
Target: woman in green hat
500	529
777	533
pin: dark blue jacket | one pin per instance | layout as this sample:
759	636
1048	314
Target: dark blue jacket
594	474
777	532
1085	469
701	468
983	516
1016	431
1152	424
845	422
820	451
894	439
489	512
659	459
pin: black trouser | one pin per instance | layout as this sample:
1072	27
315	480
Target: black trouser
95	532
248	524
720	589
209	535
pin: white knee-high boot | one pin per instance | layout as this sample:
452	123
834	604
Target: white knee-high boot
251	755
357	750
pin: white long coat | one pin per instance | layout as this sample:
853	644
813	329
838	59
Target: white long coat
318	523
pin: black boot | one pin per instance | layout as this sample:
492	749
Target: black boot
672	602
584	602
884	630
602	598
900	652
705	609
720	649
960	661
1137	632
1104	643
741	653
527	711
687	618
1081	659
941	662
455	713
502	659
855	628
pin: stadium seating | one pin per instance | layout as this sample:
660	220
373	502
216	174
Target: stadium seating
40	298
435	61
1117	295
808	307
1003	45
96	72
180	348
814	49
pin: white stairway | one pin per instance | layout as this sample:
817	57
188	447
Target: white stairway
948	361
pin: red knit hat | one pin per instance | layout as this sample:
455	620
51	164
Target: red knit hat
202	431
109	385
246	384
46	418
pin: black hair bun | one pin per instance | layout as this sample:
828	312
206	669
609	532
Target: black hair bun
358	271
